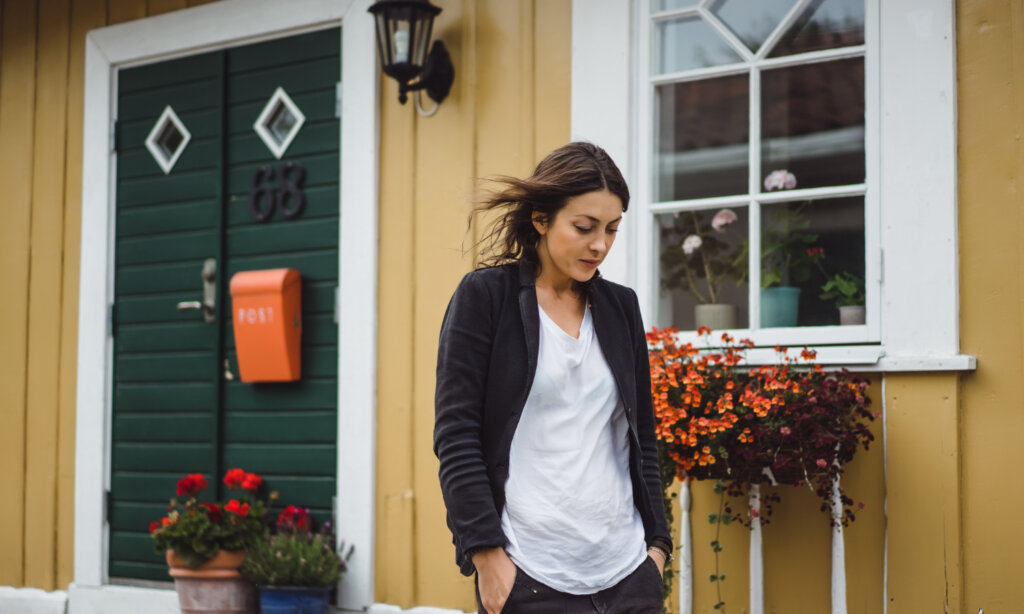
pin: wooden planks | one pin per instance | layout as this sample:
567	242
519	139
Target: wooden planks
17	113
44	331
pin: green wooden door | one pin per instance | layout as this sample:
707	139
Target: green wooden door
178	404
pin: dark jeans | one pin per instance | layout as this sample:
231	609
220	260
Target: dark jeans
638	593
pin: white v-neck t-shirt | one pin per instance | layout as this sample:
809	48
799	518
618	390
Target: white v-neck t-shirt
569	515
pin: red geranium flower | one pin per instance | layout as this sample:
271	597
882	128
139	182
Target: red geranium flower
212	511
252	482
234	477
240	509
153	526
294	517
191	484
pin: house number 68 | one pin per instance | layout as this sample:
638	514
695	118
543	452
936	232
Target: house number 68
289	198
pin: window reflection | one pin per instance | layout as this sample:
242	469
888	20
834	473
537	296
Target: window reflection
687	43
703	268
702	130
752	21
824	24
813	122
805	246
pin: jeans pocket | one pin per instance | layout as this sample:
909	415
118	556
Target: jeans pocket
516	581
655	574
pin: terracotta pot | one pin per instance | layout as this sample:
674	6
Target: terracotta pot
215	587
224	564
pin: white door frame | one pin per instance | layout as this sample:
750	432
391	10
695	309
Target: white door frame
187	32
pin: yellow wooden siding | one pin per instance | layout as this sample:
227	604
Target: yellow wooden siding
45	288
509	105
17	107
42	57
923	485
990	97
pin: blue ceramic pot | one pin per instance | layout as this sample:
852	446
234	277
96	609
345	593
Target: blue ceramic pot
293	600
779	306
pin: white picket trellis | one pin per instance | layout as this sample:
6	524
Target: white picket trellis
756	561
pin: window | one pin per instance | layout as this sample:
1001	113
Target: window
754	170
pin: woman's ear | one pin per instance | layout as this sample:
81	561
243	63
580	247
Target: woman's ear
540	222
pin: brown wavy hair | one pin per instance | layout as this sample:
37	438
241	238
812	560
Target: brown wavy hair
571	170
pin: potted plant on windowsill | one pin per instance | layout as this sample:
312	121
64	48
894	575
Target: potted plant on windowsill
847	291
788	256
703	261
205	542
295	569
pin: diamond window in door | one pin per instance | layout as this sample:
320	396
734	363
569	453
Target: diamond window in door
279	123
167	140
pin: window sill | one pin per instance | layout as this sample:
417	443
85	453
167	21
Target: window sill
862	358
871	359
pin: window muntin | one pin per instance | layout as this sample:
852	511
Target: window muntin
803	115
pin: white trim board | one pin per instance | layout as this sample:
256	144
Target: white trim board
186	32
112	599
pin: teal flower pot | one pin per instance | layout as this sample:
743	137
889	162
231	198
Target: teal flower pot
293	600
779	306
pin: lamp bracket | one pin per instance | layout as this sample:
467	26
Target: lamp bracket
437	76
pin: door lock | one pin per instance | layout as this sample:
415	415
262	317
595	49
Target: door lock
209	304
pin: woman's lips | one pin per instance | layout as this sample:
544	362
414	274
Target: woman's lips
591	263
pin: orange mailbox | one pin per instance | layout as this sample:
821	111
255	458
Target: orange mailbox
267	310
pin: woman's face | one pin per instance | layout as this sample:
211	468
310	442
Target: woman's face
575	242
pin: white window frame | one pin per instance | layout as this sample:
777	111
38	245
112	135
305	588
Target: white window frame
186	32
910	83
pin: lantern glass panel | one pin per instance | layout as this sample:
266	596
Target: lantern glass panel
421	39
400	34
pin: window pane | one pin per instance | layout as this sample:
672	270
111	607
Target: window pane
824	24
804	245
702	134
703	268
813	123
687	43
752	20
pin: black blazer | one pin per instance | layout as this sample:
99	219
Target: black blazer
486	360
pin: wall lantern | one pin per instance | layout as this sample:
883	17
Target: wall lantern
403	33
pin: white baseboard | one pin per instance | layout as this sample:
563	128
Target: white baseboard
32	601
113	599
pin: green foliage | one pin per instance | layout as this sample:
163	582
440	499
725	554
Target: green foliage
845	289
787	256
196	530
196	537
294	559
703	271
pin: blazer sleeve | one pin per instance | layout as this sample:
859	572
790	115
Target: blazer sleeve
463	358
645	430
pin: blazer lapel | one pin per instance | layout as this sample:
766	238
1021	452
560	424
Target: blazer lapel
530	318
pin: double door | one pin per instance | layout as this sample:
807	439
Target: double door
227	161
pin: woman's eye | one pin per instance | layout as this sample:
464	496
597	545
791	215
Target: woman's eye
582	229
613	230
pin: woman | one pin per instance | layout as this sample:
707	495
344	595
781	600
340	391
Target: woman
544	425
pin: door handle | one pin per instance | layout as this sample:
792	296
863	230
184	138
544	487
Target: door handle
209	303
